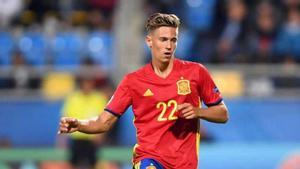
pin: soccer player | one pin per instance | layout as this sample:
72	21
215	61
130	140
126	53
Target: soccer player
166	97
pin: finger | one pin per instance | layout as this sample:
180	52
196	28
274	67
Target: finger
66	125
182	106
66	119
191	116
187	114
63	129
186	110
63	120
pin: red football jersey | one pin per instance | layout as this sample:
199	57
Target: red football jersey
161	134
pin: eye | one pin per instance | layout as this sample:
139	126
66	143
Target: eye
163	39
174	40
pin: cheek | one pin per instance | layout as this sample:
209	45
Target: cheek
157	46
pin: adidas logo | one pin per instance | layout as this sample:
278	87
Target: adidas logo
148	93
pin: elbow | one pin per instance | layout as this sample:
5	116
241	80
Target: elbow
107	128
105	122
225	119
106	125
104	128
225	116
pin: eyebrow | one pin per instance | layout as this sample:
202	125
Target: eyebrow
164	37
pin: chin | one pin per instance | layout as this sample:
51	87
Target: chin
166	60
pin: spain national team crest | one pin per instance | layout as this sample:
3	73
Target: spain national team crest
183	87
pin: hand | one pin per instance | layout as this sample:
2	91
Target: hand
68	125
188	111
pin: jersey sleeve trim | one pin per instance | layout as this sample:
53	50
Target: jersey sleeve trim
112	112
214	103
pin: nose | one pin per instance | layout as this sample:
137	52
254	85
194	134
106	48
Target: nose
169	45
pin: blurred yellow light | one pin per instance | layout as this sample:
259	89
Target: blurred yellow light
230	83
58	85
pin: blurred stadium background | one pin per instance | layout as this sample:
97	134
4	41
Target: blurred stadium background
252	48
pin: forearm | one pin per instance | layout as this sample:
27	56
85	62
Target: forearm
101	124
91	127
216	114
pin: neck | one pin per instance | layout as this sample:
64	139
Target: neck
162	69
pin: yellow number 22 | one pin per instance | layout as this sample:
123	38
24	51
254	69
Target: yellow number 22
165	106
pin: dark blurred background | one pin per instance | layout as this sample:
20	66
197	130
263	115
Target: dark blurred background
252	49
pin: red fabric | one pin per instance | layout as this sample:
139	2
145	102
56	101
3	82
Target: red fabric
170	141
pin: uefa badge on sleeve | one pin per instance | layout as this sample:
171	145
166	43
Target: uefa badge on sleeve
183	87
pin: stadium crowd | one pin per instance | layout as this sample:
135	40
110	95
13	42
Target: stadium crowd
65	33
231	31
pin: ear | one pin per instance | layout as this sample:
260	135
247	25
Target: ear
148	40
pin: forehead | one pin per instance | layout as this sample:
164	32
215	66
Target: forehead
166	31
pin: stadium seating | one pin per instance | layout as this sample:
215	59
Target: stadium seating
33	45
67	48
99	47
198	15
6	47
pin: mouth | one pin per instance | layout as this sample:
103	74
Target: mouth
168	54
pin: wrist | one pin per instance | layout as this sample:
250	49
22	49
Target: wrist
199	113
79	127
82	124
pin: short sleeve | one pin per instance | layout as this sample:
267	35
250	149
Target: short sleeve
209	92
121	99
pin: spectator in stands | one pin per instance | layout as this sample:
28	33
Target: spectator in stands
20	73
232	35
40	8
96	20
106	6
101	81
199	18
261	39
8	10
84	103
289	37
291	3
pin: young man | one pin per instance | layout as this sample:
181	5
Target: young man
165	95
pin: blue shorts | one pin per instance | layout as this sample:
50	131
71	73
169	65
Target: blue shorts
148	163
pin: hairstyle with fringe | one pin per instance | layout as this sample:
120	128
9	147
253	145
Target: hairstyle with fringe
159	19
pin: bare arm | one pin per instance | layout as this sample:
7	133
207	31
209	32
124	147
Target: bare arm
100	124
216	114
